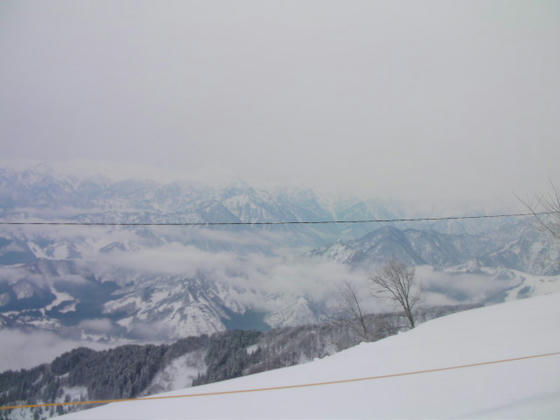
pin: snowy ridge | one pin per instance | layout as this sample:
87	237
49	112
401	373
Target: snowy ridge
523	249
522	389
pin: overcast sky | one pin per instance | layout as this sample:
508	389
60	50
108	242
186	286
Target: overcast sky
439	99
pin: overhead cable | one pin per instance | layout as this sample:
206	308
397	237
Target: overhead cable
283	222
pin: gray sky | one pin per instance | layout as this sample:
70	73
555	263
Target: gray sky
446	100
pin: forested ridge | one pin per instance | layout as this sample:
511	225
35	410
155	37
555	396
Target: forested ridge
132	370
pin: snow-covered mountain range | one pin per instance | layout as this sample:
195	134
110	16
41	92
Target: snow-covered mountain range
106	283
522	249
40	193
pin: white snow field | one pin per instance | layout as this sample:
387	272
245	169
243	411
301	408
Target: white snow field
527	388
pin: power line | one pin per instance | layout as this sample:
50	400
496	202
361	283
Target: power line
294	386
285	222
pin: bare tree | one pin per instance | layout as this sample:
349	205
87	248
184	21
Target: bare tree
396	282
353	309
546	212
550	203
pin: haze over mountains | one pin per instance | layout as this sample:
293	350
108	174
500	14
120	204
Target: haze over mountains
192	112
165	283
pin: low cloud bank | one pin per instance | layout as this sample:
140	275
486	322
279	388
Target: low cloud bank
275	275
24	350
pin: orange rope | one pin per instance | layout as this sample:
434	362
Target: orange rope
276	388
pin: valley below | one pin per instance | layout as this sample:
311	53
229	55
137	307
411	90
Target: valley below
188	305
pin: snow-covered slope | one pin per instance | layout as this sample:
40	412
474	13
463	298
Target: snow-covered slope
526	388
